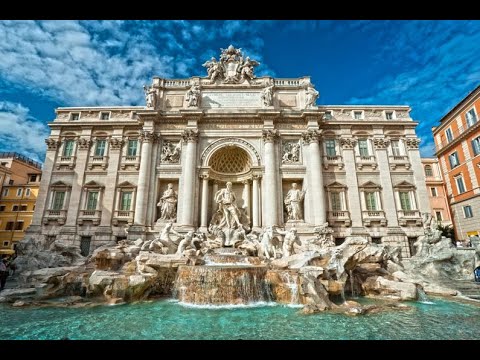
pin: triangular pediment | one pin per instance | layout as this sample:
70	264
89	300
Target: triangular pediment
370	185
60	183
336	184
93	184
126	184
404	184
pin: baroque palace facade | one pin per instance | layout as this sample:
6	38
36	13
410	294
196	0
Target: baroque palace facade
117	172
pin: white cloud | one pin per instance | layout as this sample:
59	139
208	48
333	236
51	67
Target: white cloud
20	132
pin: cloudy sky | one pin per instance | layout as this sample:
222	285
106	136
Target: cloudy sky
429	65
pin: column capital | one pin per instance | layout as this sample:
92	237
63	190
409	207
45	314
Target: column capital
412	143
246	182
52	144
348	143
256	176
116	143
380	143
311	136
83	143
270	135
147	136
190	135
204	176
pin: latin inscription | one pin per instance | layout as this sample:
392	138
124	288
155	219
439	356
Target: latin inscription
230	99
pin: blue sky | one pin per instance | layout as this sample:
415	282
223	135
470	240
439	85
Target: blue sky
429	65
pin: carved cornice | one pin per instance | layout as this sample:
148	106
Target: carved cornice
347	143
380	143
412	143
270	135
116	143
52	144
190	135
311	136
83	143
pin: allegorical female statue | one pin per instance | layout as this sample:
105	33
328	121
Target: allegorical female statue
293	203
168	204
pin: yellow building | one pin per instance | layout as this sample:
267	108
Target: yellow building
20	182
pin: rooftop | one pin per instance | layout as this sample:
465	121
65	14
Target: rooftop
23	158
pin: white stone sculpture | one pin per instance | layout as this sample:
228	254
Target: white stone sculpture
168	204
150	96
291	238
311	96
291	152
171	152
246	69
163	240
267	96
324	236
214	69
268	249
293	203
228	211
193	96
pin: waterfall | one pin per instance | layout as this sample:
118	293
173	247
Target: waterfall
422	297
352	284
292	285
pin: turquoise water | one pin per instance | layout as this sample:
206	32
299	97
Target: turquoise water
170	320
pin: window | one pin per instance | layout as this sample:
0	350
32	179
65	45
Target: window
74	116
471	117
376	240
126	201
10	225
460	184
58	198
19	225
23	208
433	191
449	134
10	182
357	115
330	147
467	211
428	170
100	147
27	192
132	148
476	146
405	200
328	115
363	147
19	192
396	148
389	115
453	158
371	201
5	192
438	215
6	243
336	201
15	208
68	148
104	115
33	178
2	207
85	245
92	199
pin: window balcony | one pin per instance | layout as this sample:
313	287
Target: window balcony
342	216
409	216
374	216
99	161
366	160
399	160
335	160
55	215
68	161
90	215
130	161
123	216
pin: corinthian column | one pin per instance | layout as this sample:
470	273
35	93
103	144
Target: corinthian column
190	137
255	202
315	177
204	214
143	177
270	191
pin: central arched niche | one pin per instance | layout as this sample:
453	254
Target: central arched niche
230	162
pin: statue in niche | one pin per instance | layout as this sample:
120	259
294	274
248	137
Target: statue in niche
168	204
291	238
150	96
229	213
293	203
267	96
311	96
214	69
291	152
193	96
171	152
